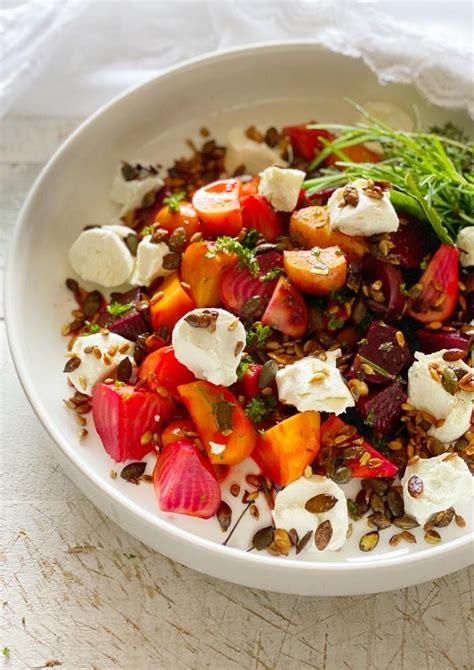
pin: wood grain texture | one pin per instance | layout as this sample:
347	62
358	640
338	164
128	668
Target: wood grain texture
78	590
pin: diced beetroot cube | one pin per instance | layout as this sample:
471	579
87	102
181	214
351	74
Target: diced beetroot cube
382	409
383	349
238	286
412	242
185	482
124	417
287	310
434	340
394	303
129	324
257	213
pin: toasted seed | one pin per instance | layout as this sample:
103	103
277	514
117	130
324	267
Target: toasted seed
83	382
249	496
342	475
361	501
449	380
415	486
113	474
450	457
395	503
83	434
267	374
460	521
254	512
376	503
303	542
171	261
444	518
177	239
320	503
239	347
395	539
223	416
353	510
162	391
369	541
281	543
92	304
453	355
399	336
72	364
224	516
323	534
379	520
205	319
146	437
408	537
350	196
432	537
124	370
72	285
133	471
405	522
254	480
235	490
293	534
467	382
395	445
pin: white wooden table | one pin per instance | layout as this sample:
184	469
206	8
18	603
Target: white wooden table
78	590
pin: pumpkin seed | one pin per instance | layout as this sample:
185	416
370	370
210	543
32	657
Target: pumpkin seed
263	538
223	415
449	381
267	374
415	486
379	520
72	285
124	370
395	502
132	243
92	304
320	503
323	534
405	522
432	537
205	319
224	516
129	172
342	475
353	510
171	261
293	536
443	519
376	503
133	471
281	543
361	501
369	541
177	239
252	308
72	364
303	542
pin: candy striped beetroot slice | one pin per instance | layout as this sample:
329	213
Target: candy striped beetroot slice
185	482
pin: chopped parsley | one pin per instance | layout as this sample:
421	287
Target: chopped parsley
229	245
403	289
91	329
242	369
423	264
274	273
251	238
173	200
117	308
260	407
258	335
148	230
335	322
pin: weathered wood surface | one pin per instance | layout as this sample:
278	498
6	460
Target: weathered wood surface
78	590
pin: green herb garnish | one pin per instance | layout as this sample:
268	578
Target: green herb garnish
335	322
91	329
431	173
274	273
117	308
148	230
251	238
260	407
258	335
173	200
229	245
370	418
242	369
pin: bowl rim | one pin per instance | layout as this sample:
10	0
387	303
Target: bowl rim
215	549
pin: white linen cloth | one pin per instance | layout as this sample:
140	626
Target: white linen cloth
67	57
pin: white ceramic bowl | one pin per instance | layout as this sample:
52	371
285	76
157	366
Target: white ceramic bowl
272	84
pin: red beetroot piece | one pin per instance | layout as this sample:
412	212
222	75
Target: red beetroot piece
412	242
382	347
125	419
130	324
185	482
394	301
238	286
382	409
257	213
434	340
439	287
287	310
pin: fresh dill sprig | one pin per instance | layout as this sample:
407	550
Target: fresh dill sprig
431	173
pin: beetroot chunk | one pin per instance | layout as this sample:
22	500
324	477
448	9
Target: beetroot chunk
411	243
129	324
385	349
393	305
434	340
382	409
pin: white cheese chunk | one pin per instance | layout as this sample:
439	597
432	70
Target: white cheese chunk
255	156
370	216
465	242
130	194
101	256
314	384
211	353
93	369
281	187
289	511
444	483
427	394
149	262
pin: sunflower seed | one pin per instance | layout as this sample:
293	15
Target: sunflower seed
432	537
